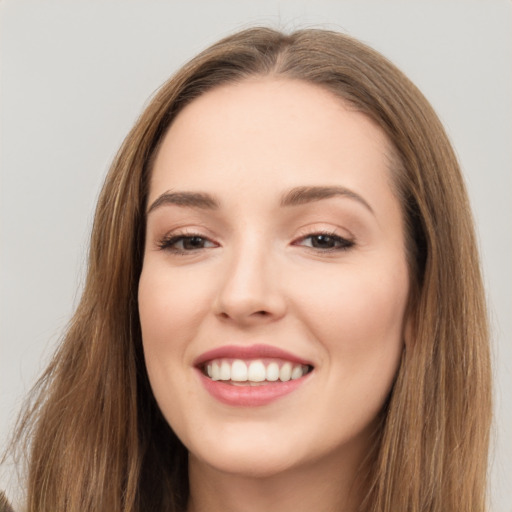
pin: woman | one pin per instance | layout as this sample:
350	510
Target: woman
283	306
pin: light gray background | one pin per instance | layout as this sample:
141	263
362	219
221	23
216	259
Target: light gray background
75	75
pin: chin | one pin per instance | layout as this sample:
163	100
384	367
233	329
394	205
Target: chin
255	454
248	453
250	464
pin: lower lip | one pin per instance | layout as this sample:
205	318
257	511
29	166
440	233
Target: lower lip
249	396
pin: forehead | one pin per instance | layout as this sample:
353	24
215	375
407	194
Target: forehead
285	132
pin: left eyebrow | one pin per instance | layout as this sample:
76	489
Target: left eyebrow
302	195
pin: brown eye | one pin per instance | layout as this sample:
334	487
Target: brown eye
326	242
186	243
193	242
323	242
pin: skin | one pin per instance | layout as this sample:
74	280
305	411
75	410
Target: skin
256	278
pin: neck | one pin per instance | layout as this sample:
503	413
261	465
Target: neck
324	487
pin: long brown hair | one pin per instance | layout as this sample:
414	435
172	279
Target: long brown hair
97	439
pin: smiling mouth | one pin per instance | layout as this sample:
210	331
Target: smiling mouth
254	372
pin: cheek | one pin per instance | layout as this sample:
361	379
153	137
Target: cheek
170	312
170	307
360	325
358	316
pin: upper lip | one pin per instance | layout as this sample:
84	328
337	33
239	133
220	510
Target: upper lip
249	352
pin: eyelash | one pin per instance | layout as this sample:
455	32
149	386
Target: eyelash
343	244
168	243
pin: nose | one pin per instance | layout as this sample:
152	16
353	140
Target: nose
250	290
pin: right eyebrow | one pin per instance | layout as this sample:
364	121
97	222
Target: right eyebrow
187	199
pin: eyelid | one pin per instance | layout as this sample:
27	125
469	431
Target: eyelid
347	241
165	242
324	229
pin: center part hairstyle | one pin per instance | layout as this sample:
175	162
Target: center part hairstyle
97	440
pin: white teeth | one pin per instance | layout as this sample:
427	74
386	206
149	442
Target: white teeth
215	371
254	372
286	372
296	372
225	371
238	371
272	372
257	372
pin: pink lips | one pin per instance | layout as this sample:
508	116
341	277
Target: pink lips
246	395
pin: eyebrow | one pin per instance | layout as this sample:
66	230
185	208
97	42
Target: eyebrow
302	195
295	197
187	199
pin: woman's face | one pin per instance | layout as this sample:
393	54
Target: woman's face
275	281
